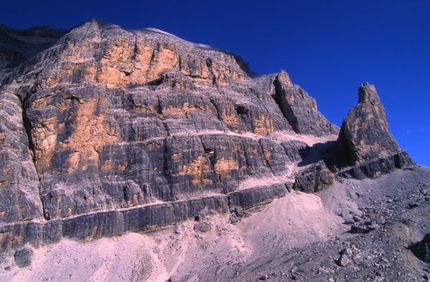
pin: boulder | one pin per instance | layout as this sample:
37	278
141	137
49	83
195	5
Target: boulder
422	249
313	179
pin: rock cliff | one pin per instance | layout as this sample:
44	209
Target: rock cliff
365	142
107	131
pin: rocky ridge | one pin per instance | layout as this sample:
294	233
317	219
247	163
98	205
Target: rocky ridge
108	131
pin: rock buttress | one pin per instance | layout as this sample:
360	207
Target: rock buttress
300	109
365	141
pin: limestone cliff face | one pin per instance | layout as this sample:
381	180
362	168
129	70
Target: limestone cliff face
300	109
365	129
108	131
365	140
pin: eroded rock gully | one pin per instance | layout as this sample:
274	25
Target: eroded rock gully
105	131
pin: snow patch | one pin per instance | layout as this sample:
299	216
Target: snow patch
156	30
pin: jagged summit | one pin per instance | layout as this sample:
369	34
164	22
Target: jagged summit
300	109
364	136
367	94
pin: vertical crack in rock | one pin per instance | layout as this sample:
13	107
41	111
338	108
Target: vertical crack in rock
159	109
166	171
265	156
32	147
300	109
27	126
209	65
211	156
216	108
151	61
283	105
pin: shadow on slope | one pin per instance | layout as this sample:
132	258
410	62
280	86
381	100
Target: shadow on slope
318	152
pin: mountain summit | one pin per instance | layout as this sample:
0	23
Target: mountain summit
107	132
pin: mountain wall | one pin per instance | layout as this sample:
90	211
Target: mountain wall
107	131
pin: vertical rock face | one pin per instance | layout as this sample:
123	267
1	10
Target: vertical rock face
364	133
107	131
365	140
300	109
20	199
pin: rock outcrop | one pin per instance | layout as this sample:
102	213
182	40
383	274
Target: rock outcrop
364	131
108	131
422	249
365	142
313	179
300	109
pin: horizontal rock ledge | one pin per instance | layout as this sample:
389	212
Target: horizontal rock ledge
378	167
140	219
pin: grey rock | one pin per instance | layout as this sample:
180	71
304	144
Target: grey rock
343	260
19	234
23	257
314	178
233	218
18	45
147	140
346	251
422	249
295	150
300	109
378	167
202	227
105	131
249	198
360	229
364	135
18	177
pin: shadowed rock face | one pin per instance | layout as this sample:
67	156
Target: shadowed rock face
109	131
422	249
364	136
18	45
300	109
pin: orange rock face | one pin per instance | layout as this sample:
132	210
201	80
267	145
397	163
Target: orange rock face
116	130
365	130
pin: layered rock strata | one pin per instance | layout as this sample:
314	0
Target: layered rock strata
365	145
300	109
110	131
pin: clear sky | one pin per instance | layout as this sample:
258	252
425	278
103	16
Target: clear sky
327	47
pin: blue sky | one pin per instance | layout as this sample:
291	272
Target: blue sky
327	47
